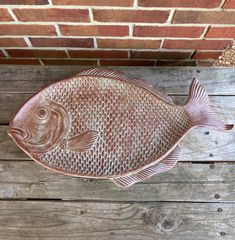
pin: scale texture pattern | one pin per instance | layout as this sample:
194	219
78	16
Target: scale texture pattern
135	127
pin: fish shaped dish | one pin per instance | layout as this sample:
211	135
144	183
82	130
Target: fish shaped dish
102	124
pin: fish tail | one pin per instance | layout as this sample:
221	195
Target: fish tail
199	110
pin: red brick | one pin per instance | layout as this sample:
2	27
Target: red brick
196	44
12	42
160	55
36	53
5	16
229	4
146	16
52	15
97	54
25	29
120	3
180	3
69	62
126	63
205	63
128	43
221	32
94	30
19	61
62	42
23	2
157	31
204	17
176	63
206	55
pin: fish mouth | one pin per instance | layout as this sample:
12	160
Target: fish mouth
18	132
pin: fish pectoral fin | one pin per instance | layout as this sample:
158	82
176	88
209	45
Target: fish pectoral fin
164	165
81	142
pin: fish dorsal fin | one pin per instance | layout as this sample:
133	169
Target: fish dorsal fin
164	165
81	142
104	72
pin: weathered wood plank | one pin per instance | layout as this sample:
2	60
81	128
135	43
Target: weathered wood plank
216	146
73	220
185	182
8	149
172	80
9	105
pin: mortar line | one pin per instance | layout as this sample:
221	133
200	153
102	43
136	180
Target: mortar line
57	29
118	24
12	14
91	15
126	58
135	4
67	53
131	30
41	62
28	42
205	32
5	53
48	6
50	3
171	15
129	54
192	54
116	37
113	49
162	42
222	3
95	43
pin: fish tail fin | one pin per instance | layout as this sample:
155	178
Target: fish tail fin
199	110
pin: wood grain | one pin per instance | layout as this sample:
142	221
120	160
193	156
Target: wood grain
84	221
185	182
171	80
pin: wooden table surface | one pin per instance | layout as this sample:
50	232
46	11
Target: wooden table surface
193	201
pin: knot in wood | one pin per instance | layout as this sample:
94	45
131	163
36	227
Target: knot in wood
150	216
161	221
168	224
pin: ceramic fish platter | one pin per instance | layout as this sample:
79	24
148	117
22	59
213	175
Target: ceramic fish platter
102	124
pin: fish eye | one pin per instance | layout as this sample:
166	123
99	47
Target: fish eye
42	113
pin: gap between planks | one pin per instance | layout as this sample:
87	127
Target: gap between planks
184	183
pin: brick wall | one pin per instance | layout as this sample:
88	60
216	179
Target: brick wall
115	32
